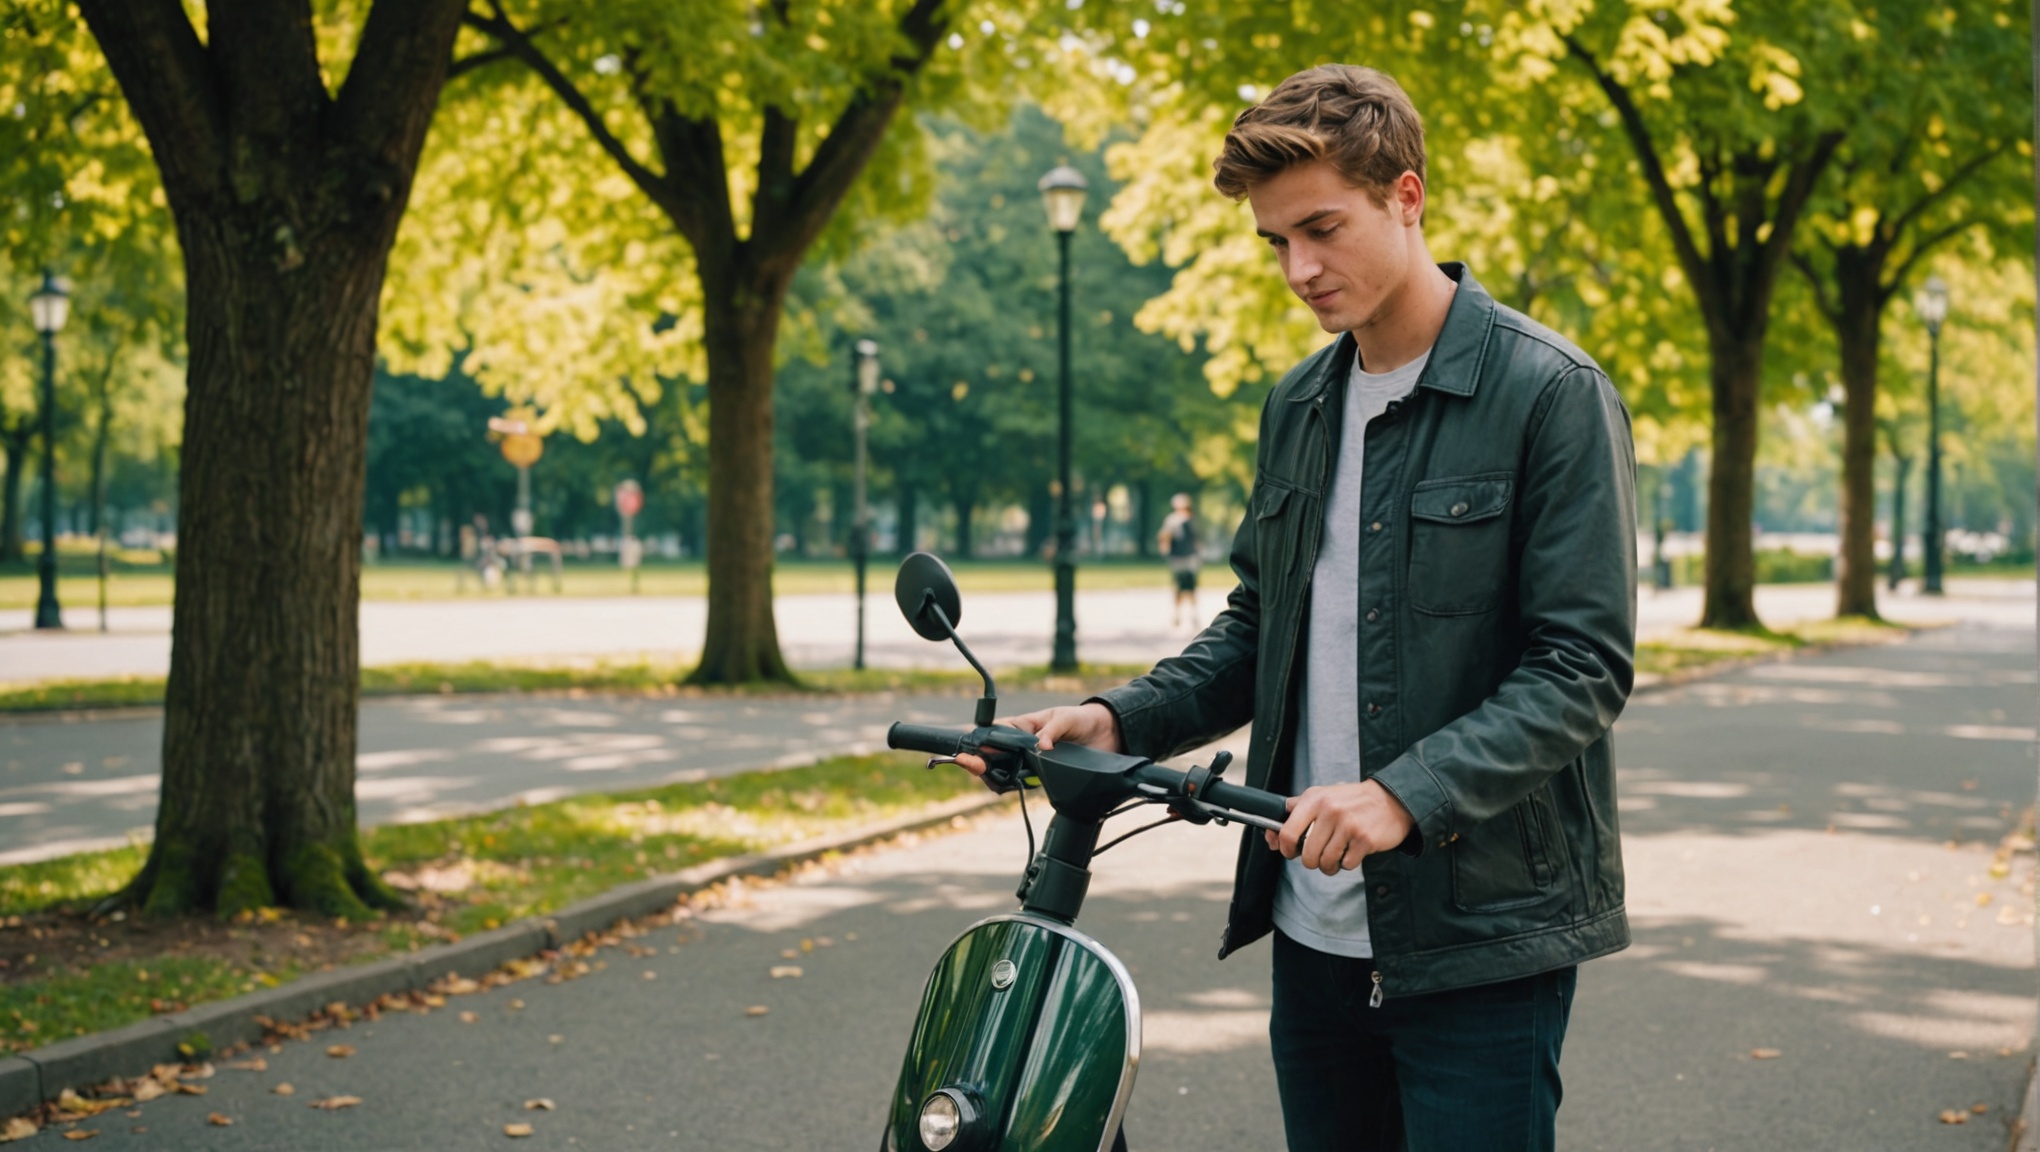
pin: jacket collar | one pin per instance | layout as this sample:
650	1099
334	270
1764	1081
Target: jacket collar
1455	359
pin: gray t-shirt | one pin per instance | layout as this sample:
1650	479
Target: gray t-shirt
1329	913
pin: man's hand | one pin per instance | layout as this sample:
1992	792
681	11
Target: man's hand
1093	725
1333	827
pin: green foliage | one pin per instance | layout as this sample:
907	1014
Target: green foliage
963	306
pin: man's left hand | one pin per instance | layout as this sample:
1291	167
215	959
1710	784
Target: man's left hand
1333	827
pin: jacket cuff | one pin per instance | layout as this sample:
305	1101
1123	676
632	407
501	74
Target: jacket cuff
1412	784
1132	705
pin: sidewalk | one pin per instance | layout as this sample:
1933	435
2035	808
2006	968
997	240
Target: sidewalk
1814	879
1010	629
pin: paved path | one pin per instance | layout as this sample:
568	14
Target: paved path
1808	848
71	784
1008	629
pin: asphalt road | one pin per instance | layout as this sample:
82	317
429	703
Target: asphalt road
1808	848
1008	629
72	783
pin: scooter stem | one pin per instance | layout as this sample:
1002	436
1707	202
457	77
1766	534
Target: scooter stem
1058	878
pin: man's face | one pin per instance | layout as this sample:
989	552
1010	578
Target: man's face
1343	254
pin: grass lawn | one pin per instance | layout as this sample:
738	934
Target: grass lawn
141	579
636	678
1692	649
62	974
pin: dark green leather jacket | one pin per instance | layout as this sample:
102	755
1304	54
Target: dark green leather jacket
1497	638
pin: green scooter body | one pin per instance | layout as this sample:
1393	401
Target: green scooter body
1039	1025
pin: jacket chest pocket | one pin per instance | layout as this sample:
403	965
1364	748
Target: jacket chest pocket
1275	528
1459	544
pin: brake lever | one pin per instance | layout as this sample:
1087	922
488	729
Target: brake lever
1190	805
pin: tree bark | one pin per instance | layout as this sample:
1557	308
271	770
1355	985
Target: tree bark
907	535
1857	326
742	642
965	546
1904	467
286	201
1735	373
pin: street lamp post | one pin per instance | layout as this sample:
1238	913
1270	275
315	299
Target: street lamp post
1062	193
49	307
863	383
1932	305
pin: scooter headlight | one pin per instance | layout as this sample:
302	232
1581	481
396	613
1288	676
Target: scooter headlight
946	1115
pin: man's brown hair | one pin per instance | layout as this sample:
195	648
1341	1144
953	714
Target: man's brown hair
1357	118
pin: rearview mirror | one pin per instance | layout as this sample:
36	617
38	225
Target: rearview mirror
924	582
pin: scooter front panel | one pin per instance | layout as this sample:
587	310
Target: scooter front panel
1035	1021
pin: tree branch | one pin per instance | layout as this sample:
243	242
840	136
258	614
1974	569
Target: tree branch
1694	265
819	190
1962	173
1923	246
477	60
520	45
1801	179
1822	301
388	106
168	78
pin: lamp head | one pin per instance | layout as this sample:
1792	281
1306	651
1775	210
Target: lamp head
867	366
1932	303
50	305
1062	193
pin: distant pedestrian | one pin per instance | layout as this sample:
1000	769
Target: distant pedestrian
1178	540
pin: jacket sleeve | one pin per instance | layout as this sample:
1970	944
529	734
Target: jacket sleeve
1576	594
1192	699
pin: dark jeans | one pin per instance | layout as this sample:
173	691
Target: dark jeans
1471	1070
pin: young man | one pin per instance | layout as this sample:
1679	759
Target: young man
1432	633
1178	540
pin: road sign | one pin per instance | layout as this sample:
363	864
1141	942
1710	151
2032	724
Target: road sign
630	499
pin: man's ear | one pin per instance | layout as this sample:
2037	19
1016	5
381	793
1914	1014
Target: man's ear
1409	197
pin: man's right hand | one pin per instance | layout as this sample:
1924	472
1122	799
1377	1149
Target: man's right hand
1092	725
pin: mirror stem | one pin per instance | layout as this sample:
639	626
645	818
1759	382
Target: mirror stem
987	705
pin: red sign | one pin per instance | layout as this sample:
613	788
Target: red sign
630	499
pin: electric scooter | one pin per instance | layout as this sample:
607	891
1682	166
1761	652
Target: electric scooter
1029	1031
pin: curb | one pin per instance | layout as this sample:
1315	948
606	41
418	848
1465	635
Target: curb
29	1078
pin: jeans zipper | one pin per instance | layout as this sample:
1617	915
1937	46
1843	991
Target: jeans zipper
1374	1000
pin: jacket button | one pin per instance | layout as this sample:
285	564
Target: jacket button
1374	527
1373	614
1374	709
1381	889
1459	509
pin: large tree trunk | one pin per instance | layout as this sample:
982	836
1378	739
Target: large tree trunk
287	201
1904	467
259	732
1857	328
1736	375
742	643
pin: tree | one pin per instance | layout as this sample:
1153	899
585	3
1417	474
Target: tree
749	129
286	195
1939	159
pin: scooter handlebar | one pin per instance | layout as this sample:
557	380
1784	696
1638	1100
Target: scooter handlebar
930	739
1252	801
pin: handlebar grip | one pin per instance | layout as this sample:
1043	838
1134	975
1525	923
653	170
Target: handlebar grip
929	739
1252	801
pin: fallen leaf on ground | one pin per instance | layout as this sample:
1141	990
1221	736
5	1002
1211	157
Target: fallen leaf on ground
78	1106
786	972
517	1129
789	954
468	1017
556	1038
340	1051
756	1010
1979	1109
188	1089
218	1119
147	1090
651	975
81	1133
539	1105
17	1128
285	1089
335	1103
252	1064
459	986
517	1003
1954	1116
1765	1053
